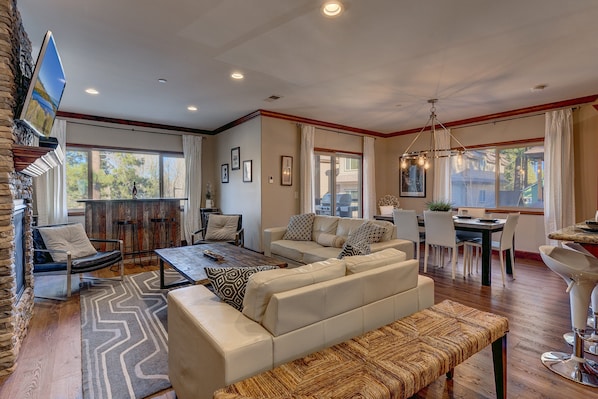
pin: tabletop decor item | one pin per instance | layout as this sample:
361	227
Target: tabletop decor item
387	203
439	205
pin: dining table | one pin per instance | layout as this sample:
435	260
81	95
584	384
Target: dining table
483	226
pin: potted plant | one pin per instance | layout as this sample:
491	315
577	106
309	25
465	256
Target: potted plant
387	204
439	205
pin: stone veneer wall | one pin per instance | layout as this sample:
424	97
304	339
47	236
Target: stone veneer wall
15	312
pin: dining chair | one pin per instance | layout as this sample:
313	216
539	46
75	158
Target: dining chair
408	228
503	244
440	232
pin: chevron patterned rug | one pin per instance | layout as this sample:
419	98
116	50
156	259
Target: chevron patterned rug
124	341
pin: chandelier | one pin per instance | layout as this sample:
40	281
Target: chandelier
422	158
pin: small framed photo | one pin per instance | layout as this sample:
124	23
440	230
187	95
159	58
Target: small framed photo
413	180
235	158
286	171
224	173
247	171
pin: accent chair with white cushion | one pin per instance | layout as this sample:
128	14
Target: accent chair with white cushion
221	228
65	248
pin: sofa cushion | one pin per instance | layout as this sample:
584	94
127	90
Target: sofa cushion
330	240
68	237
388	226
222	227
347	226
261	286
229	283
356	249
358	264
320	254
300	227
324	224
293	250
359	241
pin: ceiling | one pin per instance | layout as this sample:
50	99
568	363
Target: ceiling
374	67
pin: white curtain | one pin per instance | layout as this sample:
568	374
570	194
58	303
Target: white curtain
307	203
442	168
192	153
559	198
50	188
369	178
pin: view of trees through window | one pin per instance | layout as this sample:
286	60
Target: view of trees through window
107	174
515	181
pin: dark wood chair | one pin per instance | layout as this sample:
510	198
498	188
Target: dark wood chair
220	228
44	263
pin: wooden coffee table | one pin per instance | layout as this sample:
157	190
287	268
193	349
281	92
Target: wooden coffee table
191	262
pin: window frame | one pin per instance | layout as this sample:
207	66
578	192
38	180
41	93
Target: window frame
498	147
90	149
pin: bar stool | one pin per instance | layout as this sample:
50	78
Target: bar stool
580	272
124	228
162	225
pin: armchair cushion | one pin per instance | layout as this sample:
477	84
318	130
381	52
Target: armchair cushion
222	227
69	237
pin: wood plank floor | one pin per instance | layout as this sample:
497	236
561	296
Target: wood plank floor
49	365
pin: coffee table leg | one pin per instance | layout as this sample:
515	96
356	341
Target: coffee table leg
499	358
162	286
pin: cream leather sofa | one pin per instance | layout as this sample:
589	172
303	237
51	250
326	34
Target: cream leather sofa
303	252
287	313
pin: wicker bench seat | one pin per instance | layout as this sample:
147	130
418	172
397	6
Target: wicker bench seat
394	361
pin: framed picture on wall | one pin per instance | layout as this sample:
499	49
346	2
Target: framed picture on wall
413	180
286	171
235	158
224	173
247	171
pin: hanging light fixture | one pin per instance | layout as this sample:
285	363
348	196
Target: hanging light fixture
424	157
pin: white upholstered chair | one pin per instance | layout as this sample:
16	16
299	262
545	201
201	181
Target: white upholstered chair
440	232
407	228
505	243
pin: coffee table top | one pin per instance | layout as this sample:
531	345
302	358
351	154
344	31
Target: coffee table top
191	262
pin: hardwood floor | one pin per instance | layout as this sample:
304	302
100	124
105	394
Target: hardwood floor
536	304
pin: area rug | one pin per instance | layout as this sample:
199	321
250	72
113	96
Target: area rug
124	341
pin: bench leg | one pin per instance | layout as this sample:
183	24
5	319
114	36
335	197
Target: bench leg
499	358
450	373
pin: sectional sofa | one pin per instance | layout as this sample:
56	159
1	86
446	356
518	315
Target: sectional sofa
286	314
327	238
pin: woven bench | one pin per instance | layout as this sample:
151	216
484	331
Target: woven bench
394	361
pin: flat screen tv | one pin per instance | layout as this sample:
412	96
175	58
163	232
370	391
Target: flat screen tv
45	89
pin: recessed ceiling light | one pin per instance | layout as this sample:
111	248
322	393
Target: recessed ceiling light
192	108
162	80
332	8
92	91
237	75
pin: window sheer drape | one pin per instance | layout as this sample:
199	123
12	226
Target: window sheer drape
307	202
442	168
559	197
369	178
192	153
50	188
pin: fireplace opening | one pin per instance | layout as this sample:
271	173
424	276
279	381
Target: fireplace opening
19	255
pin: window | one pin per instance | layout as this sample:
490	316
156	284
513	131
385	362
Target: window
501	177
342	183
108	174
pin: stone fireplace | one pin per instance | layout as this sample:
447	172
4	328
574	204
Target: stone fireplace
16	308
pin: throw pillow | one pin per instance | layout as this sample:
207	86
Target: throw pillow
68	237
300	227
222	227
359	242
330	240
362	248
229	283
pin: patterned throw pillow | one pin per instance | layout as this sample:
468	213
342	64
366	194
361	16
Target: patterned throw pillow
359	242
300	227
229	283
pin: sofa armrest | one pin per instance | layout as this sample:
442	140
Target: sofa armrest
211	344
270	235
